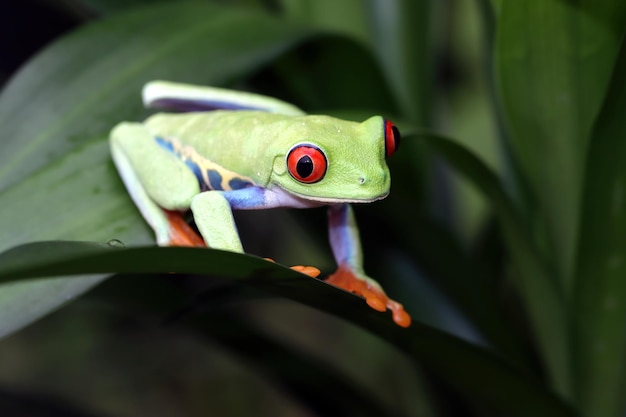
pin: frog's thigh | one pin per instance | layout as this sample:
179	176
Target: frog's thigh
142	165
164	177
185	97
213	216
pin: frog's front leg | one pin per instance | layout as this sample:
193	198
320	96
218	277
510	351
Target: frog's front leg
212	212
346	245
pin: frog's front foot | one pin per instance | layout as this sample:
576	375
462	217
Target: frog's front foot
375	297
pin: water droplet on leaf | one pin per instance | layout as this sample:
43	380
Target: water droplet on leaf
114	243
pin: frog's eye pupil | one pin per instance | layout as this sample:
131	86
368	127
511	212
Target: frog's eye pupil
304	167
307	163
392	138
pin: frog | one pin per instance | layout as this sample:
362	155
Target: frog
216	150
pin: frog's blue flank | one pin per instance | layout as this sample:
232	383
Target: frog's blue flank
210	175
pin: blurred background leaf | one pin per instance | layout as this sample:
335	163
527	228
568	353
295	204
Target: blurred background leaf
552	81
600	284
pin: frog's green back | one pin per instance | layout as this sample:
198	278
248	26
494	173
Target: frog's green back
232	139
255	144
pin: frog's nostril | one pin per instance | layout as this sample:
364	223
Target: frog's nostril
361	180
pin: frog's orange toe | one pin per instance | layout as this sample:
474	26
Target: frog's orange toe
307	270
400	316
311	271
180	233
374	296
376	303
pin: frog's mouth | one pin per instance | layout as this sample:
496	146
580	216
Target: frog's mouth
284	198
336	200
330	200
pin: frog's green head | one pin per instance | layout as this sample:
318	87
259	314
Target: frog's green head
331	160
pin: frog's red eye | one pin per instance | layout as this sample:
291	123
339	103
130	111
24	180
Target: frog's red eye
307	163
392	138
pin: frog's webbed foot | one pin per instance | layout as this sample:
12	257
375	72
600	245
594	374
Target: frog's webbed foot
375	297
180	233
311	271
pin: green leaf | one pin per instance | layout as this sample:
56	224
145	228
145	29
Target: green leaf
76	197
600	313
477	373
553	62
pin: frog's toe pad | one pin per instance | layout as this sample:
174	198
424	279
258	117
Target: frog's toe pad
311	271
307	270
374	296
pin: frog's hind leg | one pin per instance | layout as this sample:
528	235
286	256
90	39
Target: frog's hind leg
161	185
186	98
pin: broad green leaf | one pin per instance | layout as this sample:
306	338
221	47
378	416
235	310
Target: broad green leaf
76	197
477	373
545	305
600	308
553	62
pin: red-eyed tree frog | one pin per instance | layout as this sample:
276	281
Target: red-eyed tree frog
226	150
